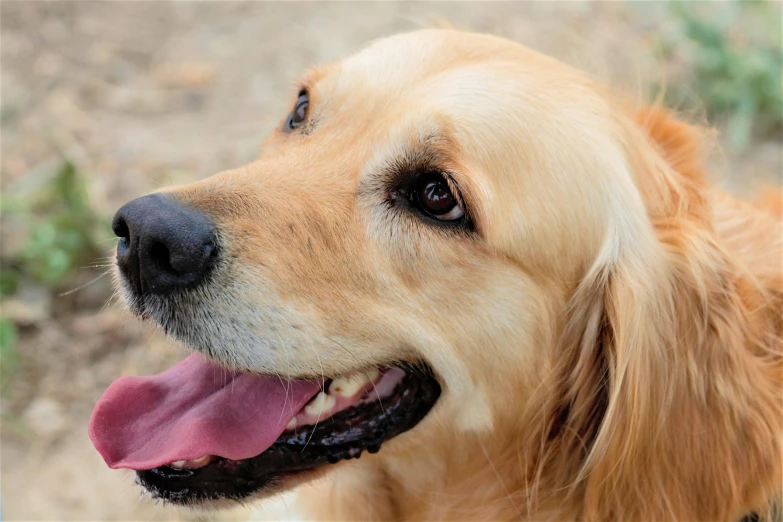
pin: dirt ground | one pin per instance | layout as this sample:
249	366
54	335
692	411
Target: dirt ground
145	94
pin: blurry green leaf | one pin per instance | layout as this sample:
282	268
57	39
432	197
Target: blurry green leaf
63	228
8	354
9	280
59	262
737	80
7	337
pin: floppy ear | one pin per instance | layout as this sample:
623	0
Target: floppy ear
666	398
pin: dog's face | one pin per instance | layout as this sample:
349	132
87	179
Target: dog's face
429	204
433	190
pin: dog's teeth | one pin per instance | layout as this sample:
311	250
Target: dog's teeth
199	462
350	386
321	403
291	424
191	464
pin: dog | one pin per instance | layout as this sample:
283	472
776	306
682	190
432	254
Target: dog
462	281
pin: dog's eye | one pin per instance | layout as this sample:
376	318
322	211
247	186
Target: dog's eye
298	115
432	194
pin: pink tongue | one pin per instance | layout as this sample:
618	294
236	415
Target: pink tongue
195	408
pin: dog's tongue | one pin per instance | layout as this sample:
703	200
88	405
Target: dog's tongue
194	409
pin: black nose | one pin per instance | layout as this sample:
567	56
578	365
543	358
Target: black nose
163	245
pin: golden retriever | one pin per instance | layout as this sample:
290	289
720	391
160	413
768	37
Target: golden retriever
519	285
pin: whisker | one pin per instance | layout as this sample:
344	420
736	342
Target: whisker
500	479
323	380
85	285
346	350
287	383
379	398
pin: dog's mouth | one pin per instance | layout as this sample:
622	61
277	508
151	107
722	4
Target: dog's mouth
199	432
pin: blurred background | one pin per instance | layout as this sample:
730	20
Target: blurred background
105	101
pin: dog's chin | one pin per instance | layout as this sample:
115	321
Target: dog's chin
303	453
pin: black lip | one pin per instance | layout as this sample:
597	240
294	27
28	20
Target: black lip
344	436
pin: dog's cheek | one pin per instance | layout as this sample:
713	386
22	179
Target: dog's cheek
474	413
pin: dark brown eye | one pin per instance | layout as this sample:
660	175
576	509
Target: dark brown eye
299	114
434	196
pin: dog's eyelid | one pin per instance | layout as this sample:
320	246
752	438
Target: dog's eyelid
309	80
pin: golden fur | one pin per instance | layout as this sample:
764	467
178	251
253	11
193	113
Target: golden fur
608	340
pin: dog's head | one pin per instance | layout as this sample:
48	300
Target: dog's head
441	224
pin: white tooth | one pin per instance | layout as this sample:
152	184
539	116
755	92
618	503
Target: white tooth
199	461
345	386
179	464
321	403
373	374
349	386
291	424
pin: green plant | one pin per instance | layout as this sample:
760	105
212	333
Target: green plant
8	354
736	65
62	231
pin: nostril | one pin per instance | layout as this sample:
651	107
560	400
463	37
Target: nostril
161	256
120	228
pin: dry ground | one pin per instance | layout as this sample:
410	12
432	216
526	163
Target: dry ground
145	94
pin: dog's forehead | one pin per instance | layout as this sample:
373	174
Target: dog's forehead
398	60
401	88
492	94
394	65
476	80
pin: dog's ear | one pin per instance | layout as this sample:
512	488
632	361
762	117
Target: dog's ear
666	398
